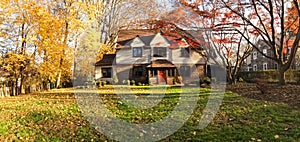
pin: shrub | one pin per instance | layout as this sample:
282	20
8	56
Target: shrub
241	79
270	75
213	79
132	82
207	80
104	83
115	78
128	82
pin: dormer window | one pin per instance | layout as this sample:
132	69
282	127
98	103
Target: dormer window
185	52
137	51
159	52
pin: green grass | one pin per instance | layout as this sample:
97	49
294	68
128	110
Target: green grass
56	117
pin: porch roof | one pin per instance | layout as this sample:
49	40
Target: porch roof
161	63
107	60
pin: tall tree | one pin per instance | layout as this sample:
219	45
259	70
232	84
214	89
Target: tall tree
272	26
263	19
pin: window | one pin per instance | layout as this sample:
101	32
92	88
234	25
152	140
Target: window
254	67
254	55
137	51
185	71
276	66
106	72
185	52
265	52
265	66
138	71
159	52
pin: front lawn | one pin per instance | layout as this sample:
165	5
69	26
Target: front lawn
55	116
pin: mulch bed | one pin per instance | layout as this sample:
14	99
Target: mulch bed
289	94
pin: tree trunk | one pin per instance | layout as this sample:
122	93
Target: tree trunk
281	77
58	80
16	88
233	80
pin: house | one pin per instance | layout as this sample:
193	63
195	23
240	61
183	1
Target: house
4	89
258	62
152	58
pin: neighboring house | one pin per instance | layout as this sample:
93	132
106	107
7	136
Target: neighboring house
258	62
4	89
154	58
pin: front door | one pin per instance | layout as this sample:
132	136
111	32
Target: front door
162	77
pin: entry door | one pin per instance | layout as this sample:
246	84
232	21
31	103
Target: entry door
162	78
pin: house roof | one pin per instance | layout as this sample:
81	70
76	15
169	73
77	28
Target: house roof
132	33
107	60
160	63
176	38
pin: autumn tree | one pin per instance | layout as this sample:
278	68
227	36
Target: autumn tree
45	32
115	15
210	30
276	23
88	48
266	20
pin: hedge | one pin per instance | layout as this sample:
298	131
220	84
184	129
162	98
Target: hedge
292	76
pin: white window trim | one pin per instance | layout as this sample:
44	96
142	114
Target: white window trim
265	51
254	55
255	67
265	65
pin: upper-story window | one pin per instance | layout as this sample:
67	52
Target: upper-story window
265	51
254	55
185	52
159	52
137	51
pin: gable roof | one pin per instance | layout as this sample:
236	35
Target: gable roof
107	60
176	37
132	33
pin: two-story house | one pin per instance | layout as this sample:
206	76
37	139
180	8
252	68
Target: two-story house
152	59
258	62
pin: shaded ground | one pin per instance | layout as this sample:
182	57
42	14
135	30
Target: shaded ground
288	94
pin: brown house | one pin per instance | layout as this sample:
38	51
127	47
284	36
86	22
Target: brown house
152	58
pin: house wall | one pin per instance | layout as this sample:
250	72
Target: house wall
194	58
260	60
124	56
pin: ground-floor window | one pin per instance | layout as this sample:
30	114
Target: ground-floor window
138	71
185	71
106	72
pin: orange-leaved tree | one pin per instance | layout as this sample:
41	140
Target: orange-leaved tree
274	22
226	48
